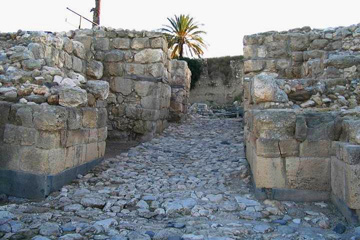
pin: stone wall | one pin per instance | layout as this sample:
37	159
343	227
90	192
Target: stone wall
301	96
44	147
180	90
60	93
136	65
53	115
220	82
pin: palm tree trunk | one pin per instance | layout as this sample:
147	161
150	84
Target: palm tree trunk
96	14
181	50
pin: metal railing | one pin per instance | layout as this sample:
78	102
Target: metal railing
82	17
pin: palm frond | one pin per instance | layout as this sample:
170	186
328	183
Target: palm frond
184	36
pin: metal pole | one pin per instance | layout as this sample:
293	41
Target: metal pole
81	16
80	23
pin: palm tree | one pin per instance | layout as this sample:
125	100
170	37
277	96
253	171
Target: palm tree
183	33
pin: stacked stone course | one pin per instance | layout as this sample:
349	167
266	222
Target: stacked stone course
180	90
301	99
214	87
60	94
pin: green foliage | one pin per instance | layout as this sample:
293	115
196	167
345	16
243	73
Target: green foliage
238	98
195	66
184	36
222	66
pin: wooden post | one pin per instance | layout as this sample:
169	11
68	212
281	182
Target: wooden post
96	12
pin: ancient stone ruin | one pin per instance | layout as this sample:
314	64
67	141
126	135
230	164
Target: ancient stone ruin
302	92
62	94
220	82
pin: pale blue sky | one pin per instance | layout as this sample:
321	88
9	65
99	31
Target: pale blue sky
226	21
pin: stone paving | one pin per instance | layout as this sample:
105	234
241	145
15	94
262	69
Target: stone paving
192	182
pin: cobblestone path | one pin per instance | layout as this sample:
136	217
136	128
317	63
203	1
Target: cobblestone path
192	183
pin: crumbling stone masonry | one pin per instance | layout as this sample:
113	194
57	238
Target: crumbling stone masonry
61	93
301	96
220	82
180	90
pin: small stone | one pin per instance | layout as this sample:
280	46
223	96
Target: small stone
92	202
72	97
192	237
309	103
142	204
23	101
339	228
150	233
138	236
280	221
215	198
296	221
74	236
73	208
50	229
100	89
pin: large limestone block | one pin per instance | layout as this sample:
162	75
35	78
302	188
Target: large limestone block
269	172
299	42
121	43
308	173
100	89
114	69
75	137
143	127
289	148
72	97
159	42
85	40
79	49
315	148
114	56
77	64
320	126
150	56
5	112
350	131
134	69
102	117
90	117
352	186
102	44
274	124
347	152
342	61
101	149
140	43
180	74
253	66
92	152
48	140
20	135
156	70
34	160
145	88
122	85
50	118
23	116
265	89
9	157
150	114
56	160
95	69
338	178
74	118
268	148
150	102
